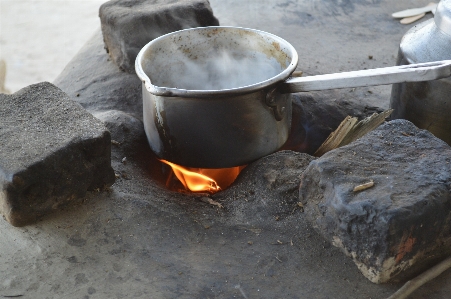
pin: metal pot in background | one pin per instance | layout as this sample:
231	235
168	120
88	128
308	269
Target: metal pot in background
426	104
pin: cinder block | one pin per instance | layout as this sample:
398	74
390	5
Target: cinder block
402	224
128	25
51	152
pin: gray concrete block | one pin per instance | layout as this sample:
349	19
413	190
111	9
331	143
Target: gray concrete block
402	224
51	152
128	25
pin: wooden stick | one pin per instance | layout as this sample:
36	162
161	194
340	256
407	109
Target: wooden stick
337	136
365	126
412	19
350	130
297	74
421	279
364	186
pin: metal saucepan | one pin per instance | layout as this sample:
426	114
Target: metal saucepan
216	97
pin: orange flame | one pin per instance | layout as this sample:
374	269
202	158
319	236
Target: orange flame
205	179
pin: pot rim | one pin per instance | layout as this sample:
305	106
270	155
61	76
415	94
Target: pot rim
185	93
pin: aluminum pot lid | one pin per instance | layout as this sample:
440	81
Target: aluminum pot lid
442	16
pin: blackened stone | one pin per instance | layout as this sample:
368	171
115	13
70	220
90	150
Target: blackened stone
317	114
126	130
267	189
400	225
52	151
94	81
128	25
113	96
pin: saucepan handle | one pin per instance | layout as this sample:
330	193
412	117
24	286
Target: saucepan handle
381	76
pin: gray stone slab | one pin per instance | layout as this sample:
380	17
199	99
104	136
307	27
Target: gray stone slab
401	225
127	25
52	151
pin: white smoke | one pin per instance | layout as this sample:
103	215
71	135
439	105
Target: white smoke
224	70
198	61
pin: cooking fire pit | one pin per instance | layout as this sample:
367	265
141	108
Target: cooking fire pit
139	239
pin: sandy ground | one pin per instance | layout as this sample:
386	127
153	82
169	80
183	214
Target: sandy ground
39	37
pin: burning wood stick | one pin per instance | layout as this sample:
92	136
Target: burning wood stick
421	279
350	130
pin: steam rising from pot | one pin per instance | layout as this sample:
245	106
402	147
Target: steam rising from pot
223	70
212	60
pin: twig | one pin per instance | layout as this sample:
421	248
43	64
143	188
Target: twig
211	201
297	74
278	243
364	186
421	279
337	136
365	126
350	130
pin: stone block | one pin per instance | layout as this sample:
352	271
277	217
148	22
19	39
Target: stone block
128	25
317	114
99	85
52	151
402	224
113	96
